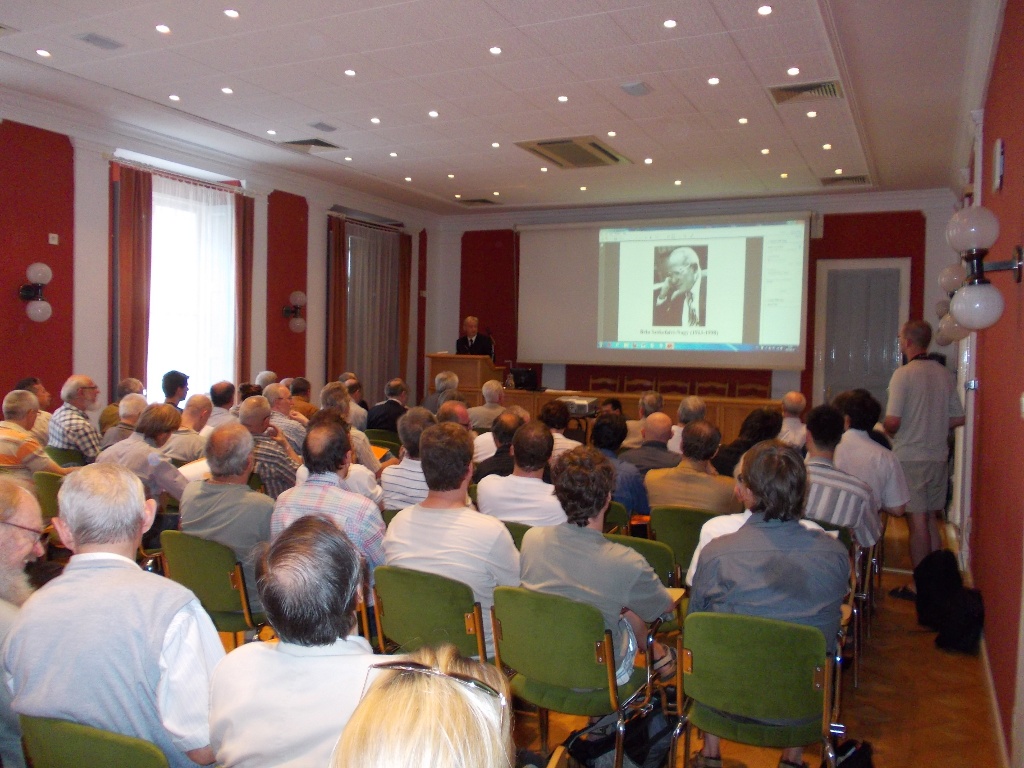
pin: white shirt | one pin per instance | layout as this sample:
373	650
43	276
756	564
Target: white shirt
793	432
562	444
404	484
526	500
876	466
484	447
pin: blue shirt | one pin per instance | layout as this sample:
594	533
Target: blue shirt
629	485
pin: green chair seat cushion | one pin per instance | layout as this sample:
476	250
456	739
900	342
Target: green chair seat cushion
747	732
571	701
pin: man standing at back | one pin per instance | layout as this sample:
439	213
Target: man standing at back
107	644
923	406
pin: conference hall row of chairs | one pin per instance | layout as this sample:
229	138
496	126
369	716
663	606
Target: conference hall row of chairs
679	387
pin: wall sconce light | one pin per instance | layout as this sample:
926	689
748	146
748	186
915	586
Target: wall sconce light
974	302
37	308
296	301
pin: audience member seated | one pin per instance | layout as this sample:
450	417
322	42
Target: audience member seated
224	508
484	445
70	426
264	379
483	416
607	434
693	482
501	462
653	452
141	452
555	414
283	417
443	382
404	483
773	567
355	389
357	418
576	561
523	497
760	424
358	479
435	709
385	414
335	395
301	389
650	402
691	408
187	444
275	461
222	397
175	387
128	411
442	535
327	454
793	431
454	410
107	644
21	524
110	415
42	427
284	703
612	405
21	455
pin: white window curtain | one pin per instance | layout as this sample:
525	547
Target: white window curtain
192	294
373	280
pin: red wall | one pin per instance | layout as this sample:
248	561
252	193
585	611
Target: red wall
490	288
36	198
287	241
999	481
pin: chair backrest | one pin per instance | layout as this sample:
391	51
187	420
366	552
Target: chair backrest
616	519
657	554
256	483
756	668
679	527
65	456
471	491
752	390
47	486
415	608
382	434
712	388
551	639
62	744
845	537
213	573
388	515
518	530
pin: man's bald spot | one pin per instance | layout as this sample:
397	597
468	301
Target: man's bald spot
658	427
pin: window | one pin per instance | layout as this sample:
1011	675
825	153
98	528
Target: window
192	285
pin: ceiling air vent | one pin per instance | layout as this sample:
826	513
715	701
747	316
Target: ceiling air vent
322	126
829	89
478	201
310	145
100	41
575	152
845	181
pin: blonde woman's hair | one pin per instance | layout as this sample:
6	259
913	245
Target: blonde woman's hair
422	720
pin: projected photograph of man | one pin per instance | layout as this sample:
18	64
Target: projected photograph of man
680	295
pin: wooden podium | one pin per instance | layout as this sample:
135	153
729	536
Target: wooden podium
472	370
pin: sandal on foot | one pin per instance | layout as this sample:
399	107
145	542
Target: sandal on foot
700	760
665	667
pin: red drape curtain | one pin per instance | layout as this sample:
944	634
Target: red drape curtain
245	212
337	296
131	228
404	287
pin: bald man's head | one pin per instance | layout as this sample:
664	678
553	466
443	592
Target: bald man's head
658	427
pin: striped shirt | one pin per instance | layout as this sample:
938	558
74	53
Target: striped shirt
835	497
404	484
21	454
71	428
274	466
356	515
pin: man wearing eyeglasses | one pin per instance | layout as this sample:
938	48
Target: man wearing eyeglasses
70	426
20	452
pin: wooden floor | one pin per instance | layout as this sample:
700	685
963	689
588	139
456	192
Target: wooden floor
917	705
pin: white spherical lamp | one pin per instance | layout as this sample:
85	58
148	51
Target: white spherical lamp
977	306
38	311
973	228
297	325
951	329
952	277
39	273
941	308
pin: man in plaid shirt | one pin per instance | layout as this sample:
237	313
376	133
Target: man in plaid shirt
275	460
70	426
327	454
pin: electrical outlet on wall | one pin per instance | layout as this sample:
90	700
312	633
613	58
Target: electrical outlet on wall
54	238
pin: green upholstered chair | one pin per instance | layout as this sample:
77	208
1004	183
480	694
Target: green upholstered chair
741	668
388	515
65	457
62	744
518	530
256	483
47	486
383	434
659	556
563	659
471	492
861	589
213	573
616	519
387	445
679	527
415	608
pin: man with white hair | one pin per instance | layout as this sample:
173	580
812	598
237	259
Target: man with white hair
691	408
649	402
21	541
793	432
70	426
483	416
128	410
110	415
276	462
265	378
186	444
21	455
679	300
283	417
444	381
140	645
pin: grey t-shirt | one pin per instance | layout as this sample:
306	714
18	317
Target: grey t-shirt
923	395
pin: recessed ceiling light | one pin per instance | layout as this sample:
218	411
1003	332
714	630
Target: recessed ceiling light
495	144
174	97
563	99
375	120
648	160
495	50
451	175
408	178
812	113
839	171
44	53
272	132
793	71
231	13
783	175
544	169
432	113
496	194
226	90
393	154
742	121
765	151
678	182
350	72
348	159
612	134
583	189
669	23
826	146
458	196
713	81
765	10
163	29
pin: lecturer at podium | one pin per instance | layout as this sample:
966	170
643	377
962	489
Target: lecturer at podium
473	343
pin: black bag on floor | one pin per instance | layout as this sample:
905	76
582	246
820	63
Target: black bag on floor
854	754
937	579
648	738
961	627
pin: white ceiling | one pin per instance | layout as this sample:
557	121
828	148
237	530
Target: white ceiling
910	71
